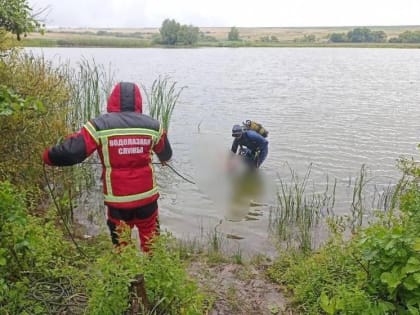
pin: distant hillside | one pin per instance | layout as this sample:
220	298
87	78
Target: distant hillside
143	37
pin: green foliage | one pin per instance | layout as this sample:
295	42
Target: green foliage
162	99
11	103
12	219
269	39
407	37
90	84
359	35
69	97
16	17
377	271
338	37
108	288
308	276
7	41
172	33
32	85
392	257
41	273
298	212
307	38
169	31
165	275
169	291
233	34
31	250
188	35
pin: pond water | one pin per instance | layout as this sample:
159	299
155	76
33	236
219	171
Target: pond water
335	109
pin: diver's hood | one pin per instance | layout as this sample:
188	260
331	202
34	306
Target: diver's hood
125	97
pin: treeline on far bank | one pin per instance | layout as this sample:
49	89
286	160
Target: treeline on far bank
174	34
366	35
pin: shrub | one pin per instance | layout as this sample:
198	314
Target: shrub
32	85
32	251
377	271
168	288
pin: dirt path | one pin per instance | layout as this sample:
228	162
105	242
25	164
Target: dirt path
239	289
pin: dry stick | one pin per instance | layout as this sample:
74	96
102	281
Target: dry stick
166	164
177	173
139	296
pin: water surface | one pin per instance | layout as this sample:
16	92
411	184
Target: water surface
334	108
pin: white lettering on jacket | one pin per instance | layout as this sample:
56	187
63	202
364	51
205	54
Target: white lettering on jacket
129	141
134	150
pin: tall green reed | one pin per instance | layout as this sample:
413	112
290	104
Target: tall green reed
297	212
383	200
90	84
162	100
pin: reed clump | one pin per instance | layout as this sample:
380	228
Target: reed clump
90	84
298	213
162	100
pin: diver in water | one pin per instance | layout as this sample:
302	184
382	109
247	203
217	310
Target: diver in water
253	147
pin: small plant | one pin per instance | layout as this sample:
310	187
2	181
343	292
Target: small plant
168	289
237	256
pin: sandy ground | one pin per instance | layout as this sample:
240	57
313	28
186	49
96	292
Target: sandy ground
240	289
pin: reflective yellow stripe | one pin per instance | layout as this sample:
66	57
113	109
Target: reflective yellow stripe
107	164
92	131
111	198
129	131
159	135
103	136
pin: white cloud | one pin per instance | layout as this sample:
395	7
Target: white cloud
151	13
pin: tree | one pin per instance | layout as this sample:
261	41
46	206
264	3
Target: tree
169	31
188	34
365	35
309	38
16	17
233	34
379	36
358	35
407	37
172	33
338	37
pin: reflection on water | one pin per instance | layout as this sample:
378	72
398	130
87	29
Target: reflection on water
247	188
227	181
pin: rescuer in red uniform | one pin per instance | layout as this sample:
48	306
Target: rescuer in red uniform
125	140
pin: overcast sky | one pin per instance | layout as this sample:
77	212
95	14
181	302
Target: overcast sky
240	13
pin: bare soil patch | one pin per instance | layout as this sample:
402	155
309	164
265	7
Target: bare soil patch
239	289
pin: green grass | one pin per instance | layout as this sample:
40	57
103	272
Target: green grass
87	42
135	43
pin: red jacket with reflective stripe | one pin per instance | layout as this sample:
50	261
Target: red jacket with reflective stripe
126	141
